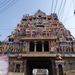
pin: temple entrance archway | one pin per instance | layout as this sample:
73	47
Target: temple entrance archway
39	64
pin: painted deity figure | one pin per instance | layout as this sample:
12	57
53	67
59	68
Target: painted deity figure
52	47
74	49
58	48
64	48
67	49
24	46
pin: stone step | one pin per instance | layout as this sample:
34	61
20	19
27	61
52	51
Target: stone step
12	73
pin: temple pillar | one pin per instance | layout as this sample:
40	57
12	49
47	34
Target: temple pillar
35	42
42	46
28	46
57	70
14	68
21	68
49	46
25	63
10	68
53	67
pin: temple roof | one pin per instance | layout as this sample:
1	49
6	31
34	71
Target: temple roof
39	13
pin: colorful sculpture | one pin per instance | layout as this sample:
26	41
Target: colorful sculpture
42	26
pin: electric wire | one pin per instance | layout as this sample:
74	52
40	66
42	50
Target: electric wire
68	12
55	6
3	2
51	9
62	11
68	18
52	5
8	6
60	7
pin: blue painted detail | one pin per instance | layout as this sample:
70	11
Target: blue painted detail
66	53
54	15
59	61
18	61
50	37
28	37
12	53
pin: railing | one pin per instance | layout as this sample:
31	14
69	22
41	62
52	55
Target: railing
37	52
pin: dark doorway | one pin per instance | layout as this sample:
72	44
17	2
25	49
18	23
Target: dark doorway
46	46
31	46
39	46
60	70
39	64
17	68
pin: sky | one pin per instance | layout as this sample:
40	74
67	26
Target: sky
10	17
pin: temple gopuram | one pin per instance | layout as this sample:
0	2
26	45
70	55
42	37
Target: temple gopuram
40	41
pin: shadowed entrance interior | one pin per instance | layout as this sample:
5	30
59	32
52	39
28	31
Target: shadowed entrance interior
39	64
46	46
39	46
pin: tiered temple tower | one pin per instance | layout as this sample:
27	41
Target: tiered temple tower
38	39
39	33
